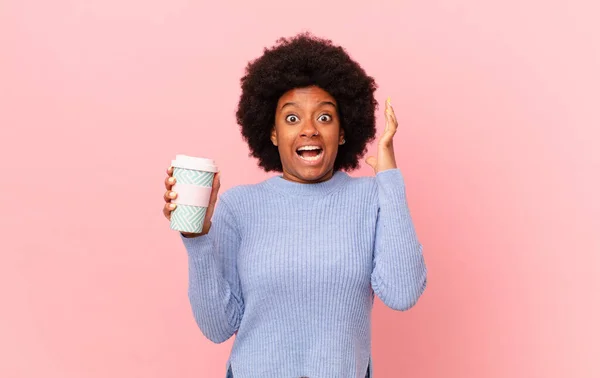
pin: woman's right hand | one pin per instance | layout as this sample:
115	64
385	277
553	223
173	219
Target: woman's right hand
171	195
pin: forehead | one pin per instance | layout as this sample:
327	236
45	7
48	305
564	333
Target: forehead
311	94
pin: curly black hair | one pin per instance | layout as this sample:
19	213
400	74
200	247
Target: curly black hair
301	61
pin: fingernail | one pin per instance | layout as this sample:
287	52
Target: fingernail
172	206
171	179
172	194
389	101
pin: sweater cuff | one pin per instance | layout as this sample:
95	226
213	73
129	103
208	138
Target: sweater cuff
198	245
391	187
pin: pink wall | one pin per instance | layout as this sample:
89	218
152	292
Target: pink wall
499	106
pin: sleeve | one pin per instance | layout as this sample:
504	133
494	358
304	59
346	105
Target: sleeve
214	288
399	274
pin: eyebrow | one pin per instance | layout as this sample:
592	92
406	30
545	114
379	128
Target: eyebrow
320	104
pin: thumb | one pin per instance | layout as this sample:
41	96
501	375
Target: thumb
372	161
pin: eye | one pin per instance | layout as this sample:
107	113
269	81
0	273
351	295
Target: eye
325	118
291	118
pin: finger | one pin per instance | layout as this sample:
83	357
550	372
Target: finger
387	105
394	124
388	133
168	208
389	123
170	171
169	182
372	161
390	128
169	195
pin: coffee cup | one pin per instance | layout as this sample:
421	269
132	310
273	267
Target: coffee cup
193	184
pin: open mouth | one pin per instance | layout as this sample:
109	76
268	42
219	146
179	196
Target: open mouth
310	153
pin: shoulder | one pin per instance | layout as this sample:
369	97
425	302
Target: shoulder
387	177
360	185
240	194
361	181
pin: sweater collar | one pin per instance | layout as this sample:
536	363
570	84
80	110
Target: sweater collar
338	179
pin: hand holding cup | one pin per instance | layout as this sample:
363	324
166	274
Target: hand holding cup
190	211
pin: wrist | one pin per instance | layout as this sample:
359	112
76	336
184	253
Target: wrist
190	235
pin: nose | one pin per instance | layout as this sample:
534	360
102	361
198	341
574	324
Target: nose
309	129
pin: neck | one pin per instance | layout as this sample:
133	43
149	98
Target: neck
325	177
293	187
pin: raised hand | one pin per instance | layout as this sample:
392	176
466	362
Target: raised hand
385	147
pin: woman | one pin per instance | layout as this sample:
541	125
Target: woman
291	265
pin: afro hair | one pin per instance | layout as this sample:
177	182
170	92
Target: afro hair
302	61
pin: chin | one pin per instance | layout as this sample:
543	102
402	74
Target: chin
312	174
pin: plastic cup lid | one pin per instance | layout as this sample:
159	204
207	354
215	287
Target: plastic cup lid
195	163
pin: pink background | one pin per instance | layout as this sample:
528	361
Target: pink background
498	103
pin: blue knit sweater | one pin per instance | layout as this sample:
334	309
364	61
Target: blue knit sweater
293	269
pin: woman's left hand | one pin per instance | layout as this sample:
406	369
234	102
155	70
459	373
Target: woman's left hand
385	148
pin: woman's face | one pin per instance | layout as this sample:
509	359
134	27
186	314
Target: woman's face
307	133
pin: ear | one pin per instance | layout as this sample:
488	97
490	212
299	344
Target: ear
274	136
342	139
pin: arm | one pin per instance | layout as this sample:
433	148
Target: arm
399	273
214	289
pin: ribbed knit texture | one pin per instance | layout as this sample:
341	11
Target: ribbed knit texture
293	269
